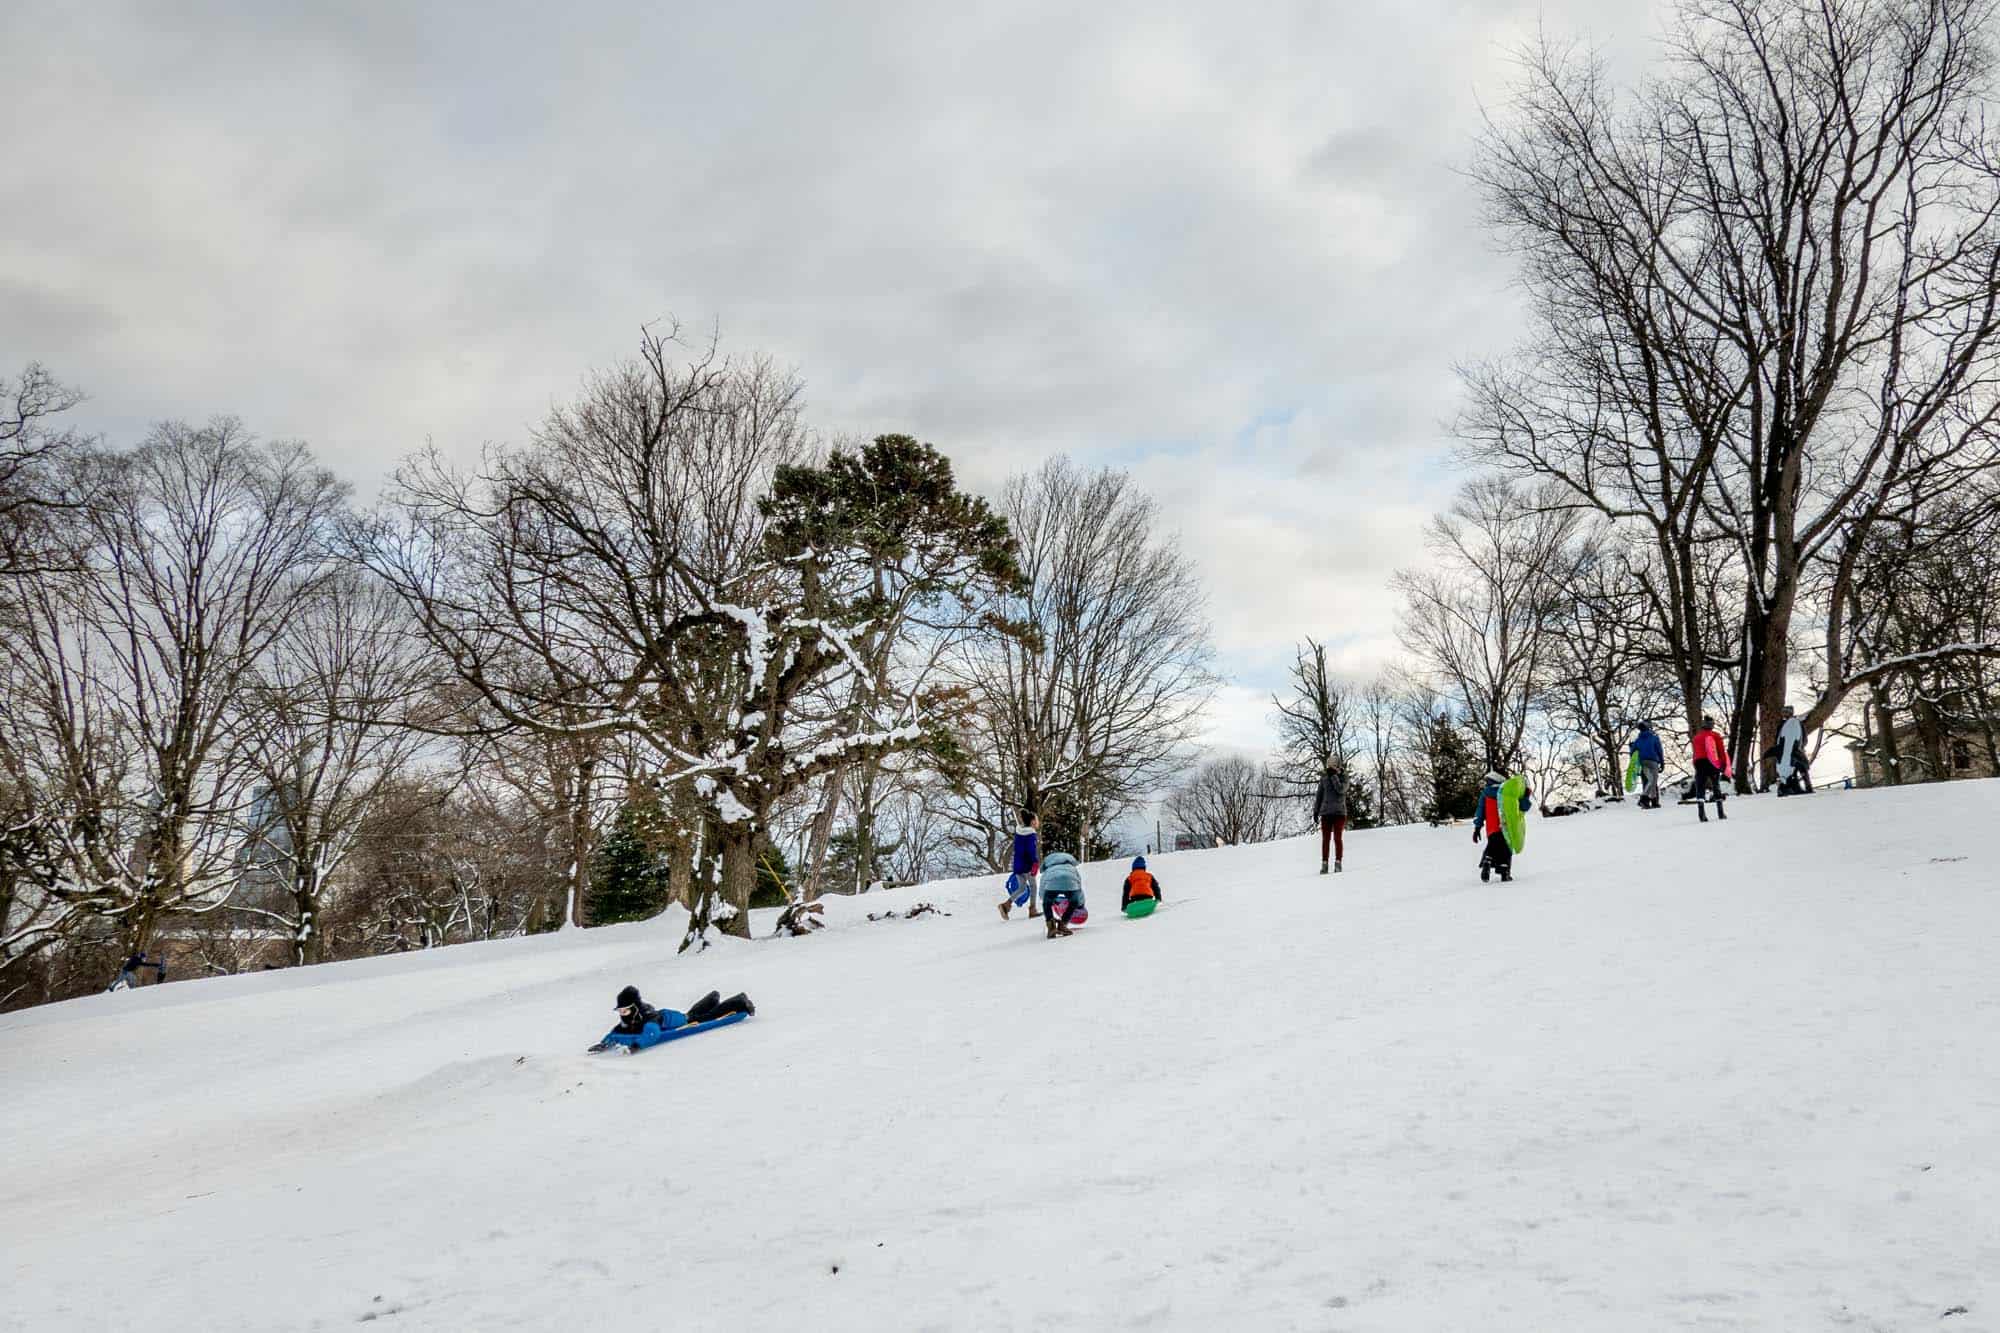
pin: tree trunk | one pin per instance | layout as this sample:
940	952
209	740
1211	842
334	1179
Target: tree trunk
739	876
822	834
864	825
1889	761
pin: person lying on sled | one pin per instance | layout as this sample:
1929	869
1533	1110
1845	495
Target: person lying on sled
641	1025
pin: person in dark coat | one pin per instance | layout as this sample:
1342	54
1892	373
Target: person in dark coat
1652	757
641	1025
1027	866
1330	809
128	971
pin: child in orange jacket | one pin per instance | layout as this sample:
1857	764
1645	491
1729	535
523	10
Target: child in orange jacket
1140	885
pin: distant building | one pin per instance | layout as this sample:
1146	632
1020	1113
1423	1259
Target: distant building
1967	749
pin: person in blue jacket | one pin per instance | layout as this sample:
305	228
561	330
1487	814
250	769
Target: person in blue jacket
1027	865
1062	893
641	1025
1652	755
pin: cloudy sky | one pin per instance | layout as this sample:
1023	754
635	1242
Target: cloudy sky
1226	247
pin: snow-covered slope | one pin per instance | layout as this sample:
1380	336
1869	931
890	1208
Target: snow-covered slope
1742	1076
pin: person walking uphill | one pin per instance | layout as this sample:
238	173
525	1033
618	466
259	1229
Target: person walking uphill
1330	809
1711	766
1794	766
1499	853
1027	865
1652	757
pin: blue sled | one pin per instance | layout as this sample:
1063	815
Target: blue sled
689	1029
633	1044
1020	890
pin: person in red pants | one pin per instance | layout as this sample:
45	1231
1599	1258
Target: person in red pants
1330	809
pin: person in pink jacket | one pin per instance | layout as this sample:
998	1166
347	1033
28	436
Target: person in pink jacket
1711	766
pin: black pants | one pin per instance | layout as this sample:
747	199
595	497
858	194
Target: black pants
712	1006
1707	778
1499	854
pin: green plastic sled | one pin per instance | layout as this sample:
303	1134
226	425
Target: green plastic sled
1139	907
1513	819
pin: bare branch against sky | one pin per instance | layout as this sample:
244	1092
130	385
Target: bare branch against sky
1234	256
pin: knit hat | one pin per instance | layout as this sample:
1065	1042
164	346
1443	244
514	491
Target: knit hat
1138	863
1491	776
627	998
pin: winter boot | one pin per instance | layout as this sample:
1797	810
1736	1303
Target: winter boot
1006	906
1485	873
1322	867
1506	877
1336	867
1701	808
1720	813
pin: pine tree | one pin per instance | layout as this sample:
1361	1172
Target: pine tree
1454	771
842	850
628	876
774	877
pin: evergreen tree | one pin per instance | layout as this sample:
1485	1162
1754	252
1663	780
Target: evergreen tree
1455	773
774	877
628	876
842	849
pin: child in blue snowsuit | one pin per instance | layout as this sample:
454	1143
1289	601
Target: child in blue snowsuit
641	1025
1027	865
1062	893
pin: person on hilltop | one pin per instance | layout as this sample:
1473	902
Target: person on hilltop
1330	811
1499	853
1062	894
1140	887
641	1025
1027	865
1711	766
128	971
1652	757
1794	768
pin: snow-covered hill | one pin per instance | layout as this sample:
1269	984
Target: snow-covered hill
1738	1076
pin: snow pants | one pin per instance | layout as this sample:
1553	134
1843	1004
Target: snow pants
713	1006
1707	779
1330	830
1499	855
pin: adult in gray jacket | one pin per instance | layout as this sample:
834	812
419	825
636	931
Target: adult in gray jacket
1330	809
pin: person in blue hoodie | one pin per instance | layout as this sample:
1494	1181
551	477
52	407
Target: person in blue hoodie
1062	893
1652	756
641	1025
1027	865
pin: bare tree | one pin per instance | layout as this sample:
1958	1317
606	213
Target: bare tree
187	559
1478	615
1232	799
659	567
324	720
1319	721
1766	294
1084	716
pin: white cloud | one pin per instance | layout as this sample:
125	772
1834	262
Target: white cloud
1226	247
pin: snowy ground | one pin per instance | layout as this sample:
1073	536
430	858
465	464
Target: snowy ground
1734	1076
